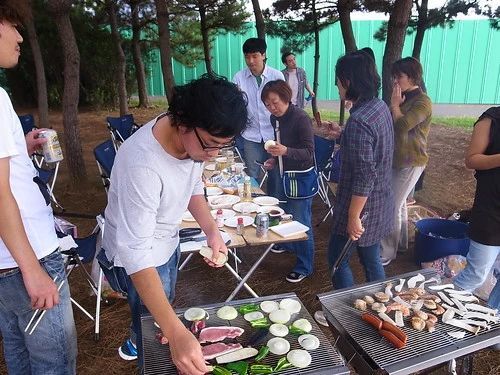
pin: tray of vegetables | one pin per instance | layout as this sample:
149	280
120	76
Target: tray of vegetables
267	335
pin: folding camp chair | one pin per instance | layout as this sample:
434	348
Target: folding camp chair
77	257
328	162
105	157
28	124
49	177
121	128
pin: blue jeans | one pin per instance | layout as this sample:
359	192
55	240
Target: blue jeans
301	211
121	282
368	255
51	349
253	151
480	261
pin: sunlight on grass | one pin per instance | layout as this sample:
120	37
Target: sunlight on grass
463	122
457	122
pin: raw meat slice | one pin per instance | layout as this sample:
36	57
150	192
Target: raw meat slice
216	334
214	350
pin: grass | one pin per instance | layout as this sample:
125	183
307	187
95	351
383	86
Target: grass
462	122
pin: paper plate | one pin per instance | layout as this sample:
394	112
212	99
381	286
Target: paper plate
210	167
213	190
266	201
232	222
226	213
289	229
223	201
267	209
246	207
186	216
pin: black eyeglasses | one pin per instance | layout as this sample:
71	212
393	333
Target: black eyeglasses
212	148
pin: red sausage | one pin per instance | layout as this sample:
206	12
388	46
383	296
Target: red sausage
395	331
389	336
372	320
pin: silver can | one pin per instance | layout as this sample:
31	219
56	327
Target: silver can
52	151
262	225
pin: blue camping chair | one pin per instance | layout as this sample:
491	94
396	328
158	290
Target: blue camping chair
121	128
105	157
77	257
49	177
27	122
327	155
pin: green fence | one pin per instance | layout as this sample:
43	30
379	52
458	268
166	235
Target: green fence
461	64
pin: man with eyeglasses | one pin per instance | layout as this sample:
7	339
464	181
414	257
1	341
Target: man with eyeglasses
156	177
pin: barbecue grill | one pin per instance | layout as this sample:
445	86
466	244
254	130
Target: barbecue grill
325	359
368	353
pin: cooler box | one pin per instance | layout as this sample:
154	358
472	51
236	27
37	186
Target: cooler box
438	238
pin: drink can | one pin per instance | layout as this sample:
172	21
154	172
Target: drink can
262	225
52	151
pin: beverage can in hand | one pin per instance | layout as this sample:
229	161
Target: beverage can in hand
52	151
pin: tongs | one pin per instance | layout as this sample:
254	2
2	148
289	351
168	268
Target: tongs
346	248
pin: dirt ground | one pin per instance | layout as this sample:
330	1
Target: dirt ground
448	187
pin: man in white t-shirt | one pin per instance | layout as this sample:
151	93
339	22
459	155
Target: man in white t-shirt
29	257
251	80
156	177
296	79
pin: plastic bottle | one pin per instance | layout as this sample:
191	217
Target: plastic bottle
247	188
240	228
219	218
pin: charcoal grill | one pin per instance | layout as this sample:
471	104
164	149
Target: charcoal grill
325	360
368	353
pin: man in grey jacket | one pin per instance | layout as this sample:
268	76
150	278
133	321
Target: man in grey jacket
296	78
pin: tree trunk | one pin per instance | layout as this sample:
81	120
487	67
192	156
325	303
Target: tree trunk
122	64
396	31
137	57
206	42
162	15
421	27
314	103
74	158
259	20
41	82
344	8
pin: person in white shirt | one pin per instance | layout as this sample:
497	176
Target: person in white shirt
251	80
296	79
29	256
156	177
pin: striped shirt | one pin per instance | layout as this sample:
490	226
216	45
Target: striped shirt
367	146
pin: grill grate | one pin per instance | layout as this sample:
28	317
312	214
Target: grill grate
423	350
325	360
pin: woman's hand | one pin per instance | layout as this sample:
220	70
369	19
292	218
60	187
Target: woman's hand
354	228
269	164
277	150
397	97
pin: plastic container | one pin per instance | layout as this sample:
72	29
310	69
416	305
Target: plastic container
438	238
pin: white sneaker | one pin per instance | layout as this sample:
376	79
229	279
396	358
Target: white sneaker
319	316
